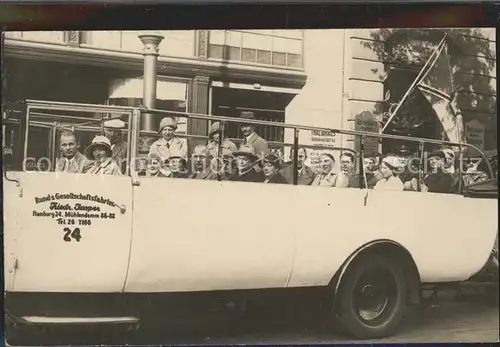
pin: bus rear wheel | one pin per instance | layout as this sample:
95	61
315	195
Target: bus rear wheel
372	297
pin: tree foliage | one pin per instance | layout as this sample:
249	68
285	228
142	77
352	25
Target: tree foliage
471	61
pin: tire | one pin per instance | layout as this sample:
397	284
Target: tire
377	278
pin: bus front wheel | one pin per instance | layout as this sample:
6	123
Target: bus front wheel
372	297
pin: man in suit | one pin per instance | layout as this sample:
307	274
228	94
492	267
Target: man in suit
72	160
200	160
305	174
251	138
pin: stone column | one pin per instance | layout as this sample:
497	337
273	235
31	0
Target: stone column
199	104
150	52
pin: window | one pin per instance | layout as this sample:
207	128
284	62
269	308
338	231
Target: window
270	47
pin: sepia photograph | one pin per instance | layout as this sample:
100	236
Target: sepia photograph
249	186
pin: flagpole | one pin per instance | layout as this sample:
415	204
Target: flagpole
419	77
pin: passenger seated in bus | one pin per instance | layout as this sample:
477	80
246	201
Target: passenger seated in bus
271	168
437	180
227	168
218	141
177	164
169	142
246	160
327	177
200	162
371	172
155	167
100	152
449	167
473	173
348	169
72	160
408	171
390	168
112	130
305	174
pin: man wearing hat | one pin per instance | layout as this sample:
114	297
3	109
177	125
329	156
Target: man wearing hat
271	169
169	142
437	180
100	152
72	160
219	141
251	138
407	173
245	161
201	169
112	130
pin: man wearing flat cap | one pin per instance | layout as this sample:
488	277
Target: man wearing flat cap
169	142
251	138
271	168
245	161
437	180
113	131
218	141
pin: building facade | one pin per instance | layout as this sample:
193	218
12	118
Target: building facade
356	71
327	78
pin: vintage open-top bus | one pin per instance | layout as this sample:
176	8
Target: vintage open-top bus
79	247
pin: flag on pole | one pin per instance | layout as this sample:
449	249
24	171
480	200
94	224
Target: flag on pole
437	87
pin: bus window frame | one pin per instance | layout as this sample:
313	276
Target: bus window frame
39	105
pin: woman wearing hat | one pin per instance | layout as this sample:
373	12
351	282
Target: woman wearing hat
219	141
100	152
271	168
155	167
245	161
169	142
390	168
177	164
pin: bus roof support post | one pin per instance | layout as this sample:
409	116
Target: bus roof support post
361	176
295	155
420	165
460	166
150	52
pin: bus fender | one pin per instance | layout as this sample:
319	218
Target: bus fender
390	248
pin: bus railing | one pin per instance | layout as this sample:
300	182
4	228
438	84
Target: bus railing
107	109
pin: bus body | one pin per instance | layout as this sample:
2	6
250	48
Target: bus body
68	234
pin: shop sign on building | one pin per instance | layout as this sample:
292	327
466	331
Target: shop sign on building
366	121
323	138
474	133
